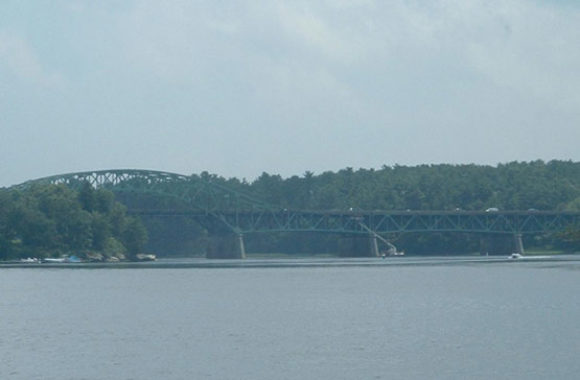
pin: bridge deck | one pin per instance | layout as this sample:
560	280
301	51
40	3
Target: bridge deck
528	222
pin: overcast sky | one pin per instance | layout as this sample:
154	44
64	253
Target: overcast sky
242	87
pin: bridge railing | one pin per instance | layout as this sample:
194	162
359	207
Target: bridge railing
384	222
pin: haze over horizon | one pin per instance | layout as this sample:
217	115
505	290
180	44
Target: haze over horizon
285	87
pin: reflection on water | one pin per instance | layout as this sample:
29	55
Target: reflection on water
393	318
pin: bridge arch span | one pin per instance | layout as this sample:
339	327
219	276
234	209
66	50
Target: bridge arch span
204	194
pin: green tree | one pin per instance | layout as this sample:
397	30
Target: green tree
87	197
101	231
134	237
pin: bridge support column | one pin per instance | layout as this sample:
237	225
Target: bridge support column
241	247
374	246
518	244
226	247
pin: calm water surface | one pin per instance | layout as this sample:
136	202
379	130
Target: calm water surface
293	319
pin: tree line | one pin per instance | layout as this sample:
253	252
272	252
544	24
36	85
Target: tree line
54	220
515	186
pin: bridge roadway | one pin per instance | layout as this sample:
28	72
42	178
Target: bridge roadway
374	224
384	222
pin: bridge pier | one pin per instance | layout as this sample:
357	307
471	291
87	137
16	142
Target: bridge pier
226	247
518	244
241	247
374	246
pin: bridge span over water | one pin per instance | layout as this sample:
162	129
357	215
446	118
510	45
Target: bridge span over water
223	208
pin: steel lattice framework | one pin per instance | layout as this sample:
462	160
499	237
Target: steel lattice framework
385	222
243	213
197	193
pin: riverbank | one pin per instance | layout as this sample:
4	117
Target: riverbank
305	262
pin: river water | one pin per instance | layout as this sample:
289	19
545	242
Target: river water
399	318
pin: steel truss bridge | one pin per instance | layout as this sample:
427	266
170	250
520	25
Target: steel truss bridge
210	201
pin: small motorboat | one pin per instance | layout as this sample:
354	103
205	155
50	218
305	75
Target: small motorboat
50	260
515	256
145	257
30	260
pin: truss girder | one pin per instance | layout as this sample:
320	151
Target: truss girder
513	222
398	222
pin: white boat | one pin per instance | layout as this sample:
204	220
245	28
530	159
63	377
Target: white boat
145	257
29	260
515	256
53	260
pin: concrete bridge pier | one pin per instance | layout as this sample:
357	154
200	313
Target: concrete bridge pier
226	247
374	246
518	244
241	247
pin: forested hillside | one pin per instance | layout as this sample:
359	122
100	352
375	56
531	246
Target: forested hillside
53	220
515	186
538	185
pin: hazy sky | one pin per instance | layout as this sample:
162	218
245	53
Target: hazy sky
241	87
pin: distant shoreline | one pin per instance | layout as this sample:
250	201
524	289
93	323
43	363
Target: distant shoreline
202	263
